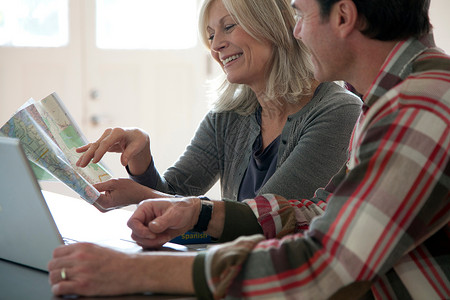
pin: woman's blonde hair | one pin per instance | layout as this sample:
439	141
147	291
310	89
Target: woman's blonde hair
289	75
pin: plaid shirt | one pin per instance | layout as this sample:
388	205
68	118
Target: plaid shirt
382	229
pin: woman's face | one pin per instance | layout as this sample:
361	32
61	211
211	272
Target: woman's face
241	57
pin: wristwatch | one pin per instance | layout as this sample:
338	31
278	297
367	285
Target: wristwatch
205	215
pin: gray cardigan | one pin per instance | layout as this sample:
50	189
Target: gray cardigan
314	145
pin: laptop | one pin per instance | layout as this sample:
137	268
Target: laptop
28	216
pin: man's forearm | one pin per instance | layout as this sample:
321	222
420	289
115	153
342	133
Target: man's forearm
164	272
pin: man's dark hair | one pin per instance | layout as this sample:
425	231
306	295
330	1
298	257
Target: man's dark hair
388	20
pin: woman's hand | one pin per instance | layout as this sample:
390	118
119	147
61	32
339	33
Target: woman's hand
133	143
122	192
158	221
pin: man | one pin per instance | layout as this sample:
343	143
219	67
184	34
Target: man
385	231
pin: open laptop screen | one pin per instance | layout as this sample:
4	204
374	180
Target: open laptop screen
28	233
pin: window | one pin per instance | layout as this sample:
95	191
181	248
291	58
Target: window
34	23
146	24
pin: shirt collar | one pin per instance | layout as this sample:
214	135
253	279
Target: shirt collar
397	66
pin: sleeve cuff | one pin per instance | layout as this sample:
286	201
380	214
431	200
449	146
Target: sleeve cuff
248	224
199	276
148	178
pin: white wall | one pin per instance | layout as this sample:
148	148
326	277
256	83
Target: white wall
439	15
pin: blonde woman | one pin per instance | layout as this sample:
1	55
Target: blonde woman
272	129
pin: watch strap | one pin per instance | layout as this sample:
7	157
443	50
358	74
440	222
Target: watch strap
205	215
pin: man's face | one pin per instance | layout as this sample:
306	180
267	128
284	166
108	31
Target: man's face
318	36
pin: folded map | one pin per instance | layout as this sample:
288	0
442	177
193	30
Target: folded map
49	136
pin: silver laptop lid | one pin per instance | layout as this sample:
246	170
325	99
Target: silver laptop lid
28	233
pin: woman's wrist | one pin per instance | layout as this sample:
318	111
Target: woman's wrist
138	166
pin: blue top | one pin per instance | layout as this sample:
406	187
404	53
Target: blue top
262	165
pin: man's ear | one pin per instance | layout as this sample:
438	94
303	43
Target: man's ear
344	17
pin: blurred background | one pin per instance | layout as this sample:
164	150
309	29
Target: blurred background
129	63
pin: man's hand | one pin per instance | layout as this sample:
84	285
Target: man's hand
158	221
91	270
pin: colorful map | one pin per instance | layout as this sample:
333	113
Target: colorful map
49	137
